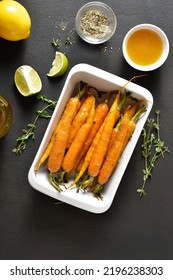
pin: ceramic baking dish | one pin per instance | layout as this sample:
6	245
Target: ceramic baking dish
103	81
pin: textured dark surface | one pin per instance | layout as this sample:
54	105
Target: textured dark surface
32	225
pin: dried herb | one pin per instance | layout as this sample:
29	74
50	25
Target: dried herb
152	149
94	24
68	41
29	132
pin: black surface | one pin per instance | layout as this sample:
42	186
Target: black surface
34	226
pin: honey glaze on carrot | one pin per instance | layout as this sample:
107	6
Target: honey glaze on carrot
144	47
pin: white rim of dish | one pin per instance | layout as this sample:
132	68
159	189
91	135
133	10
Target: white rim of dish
165	47
90	39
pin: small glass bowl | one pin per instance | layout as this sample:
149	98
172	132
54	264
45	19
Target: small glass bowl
104	10
6	116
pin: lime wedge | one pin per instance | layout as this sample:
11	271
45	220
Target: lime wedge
27	80
59	65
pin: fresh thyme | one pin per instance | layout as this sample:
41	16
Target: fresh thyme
152	149
56	43
29	132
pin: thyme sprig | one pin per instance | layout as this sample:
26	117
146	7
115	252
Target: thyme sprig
152	149
56	43
45	99
29	131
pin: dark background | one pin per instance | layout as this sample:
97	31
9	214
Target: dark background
35	226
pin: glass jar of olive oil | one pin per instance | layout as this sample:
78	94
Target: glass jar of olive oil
6	116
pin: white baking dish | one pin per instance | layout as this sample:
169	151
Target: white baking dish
103	81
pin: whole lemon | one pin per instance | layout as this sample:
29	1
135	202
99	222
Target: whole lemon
15	21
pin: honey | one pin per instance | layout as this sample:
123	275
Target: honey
144	47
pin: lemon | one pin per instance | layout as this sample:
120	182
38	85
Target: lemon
59	65
15	21
27	80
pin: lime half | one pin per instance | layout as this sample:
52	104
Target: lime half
27	80
59	65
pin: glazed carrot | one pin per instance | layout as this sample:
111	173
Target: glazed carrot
80	163
76	101
113	156
48	148
113	135
75	148
52	139
59	146
130	110
132	125
123	135
100	151
85	161
80	118
51	142
100	114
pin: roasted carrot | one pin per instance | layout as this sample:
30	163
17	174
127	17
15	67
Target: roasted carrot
76	101
112	118
79	164
77	98
85	162
59	146
62	131
130	110
100	114
100	151
48	148
75	148
132	125
113	156
113	135
123	135
80	118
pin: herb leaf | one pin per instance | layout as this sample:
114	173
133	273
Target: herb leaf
29	131
56	43
152	149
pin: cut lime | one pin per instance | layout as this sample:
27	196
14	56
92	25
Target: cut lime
59	65
27	80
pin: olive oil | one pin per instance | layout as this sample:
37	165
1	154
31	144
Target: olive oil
6	116
2	118
144	47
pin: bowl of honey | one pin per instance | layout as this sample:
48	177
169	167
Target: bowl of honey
145	47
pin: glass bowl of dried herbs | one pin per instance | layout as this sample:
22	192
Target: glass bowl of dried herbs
95	22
